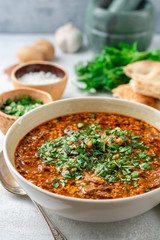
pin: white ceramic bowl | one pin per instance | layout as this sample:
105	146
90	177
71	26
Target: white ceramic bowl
108	210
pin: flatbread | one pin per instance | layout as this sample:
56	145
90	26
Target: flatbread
126	92
145	77
144	68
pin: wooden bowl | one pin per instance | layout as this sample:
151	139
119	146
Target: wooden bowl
55	89
7	120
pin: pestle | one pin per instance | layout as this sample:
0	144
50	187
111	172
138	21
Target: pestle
123	5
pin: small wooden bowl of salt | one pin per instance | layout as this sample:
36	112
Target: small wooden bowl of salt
43	75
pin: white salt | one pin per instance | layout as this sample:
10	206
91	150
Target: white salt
39	78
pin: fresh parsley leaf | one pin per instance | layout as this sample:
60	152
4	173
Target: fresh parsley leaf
55	184
105	71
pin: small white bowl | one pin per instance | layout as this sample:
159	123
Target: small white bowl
89	210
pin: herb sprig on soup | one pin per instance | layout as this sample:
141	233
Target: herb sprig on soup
91	155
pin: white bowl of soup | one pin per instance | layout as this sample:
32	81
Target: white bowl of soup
88	159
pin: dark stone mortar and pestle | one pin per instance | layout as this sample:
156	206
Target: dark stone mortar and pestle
111	22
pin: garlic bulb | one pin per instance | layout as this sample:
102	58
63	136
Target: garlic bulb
68	38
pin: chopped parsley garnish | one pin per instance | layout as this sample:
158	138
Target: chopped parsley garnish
55	184
135	185
112	154
21	106
80	125
93	116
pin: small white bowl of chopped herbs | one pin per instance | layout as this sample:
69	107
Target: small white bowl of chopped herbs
15	103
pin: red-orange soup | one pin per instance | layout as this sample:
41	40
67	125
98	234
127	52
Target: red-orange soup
91	155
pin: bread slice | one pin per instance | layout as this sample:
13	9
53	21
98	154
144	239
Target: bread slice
143	68
145	77
126	92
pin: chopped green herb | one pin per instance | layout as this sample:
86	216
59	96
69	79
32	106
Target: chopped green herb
93	115
135	185
53	179
80	125
55	184
147	190
144	166
93	148
21	106
134	174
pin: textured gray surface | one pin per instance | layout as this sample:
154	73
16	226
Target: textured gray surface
45	16
19	219
40	15
156	4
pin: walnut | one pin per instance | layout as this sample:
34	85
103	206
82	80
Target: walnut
28	53
45	47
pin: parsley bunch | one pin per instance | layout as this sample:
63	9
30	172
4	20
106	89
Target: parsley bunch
105	71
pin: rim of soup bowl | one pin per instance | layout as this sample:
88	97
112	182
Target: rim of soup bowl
62	197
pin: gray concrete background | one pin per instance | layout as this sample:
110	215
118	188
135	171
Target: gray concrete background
45	16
